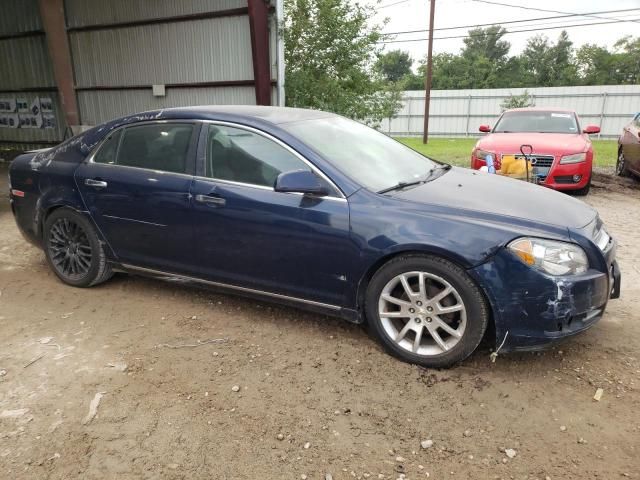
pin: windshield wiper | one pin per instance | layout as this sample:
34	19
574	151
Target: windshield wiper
427	178
401	185
440	168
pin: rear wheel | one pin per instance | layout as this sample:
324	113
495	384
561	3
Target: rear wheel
73	249
426	310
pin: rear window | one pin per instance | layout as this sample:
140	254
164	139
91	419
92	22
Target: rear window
537	121
109	149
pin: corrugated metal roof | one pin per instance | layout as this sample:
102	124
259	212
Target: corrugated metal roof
214	49
19	16
81	13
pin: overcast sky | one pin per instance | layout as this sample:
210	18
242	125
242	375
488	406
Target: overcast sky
414	14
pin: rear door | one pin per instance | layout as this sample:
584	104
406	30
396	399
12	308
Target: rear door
136	187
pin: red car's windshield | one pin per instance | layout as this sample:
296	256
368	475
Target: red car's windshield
537	121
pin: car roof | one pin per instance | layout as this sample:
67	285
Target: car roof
540	109
273	115
251	115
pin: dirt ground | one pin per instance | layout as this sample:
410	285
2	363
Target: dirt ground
316	395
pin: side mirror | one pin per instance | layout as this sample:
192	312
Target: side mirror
300	181
485	128
589	129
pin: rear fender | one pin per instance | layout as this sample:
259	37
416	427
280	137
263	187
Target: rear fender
58	189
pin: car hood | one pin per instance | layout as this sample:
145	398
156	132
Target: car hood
542	143
460	188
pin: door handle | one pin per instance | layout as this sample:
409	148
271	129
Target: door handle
210	200
90	182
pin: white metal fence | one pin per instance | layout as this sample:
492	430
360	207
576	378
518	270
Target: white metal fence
455	113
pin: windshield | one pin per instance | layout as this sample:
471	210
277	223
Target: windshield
537	121
371	158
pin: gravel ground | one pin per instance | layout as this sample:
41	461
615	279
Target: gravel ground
296	395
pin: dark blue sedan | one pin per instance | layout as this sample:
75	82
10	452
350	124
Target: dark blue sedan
315	210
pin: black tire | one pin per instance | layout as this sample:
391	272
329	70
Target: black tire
73	249
581	192
472	299
621	164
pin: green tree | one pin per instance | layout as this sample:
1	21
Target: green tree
486	43
628	60
412	81
482	63
563	66
550	64
535	58
518	101
330	50
394	65
596	65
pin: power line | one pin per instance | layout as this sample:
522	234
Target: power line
392	4
506	33
490	2
514	21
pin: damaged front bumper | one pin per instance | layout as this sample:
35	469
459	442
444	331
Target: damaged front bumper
532	310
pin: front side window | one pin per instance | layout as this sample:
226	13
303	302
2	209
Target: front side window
161	146
239	155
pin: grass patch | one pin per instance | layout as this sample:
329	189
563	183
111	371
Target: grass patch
457	151
606	152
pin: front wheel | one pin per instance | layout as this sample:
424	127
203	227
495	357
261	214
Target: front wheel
426	310
621	165
73	249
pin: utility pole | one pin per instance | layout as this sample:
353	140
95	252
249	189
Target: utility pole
427	81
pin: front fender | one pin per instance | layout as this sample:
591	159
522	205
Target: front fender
383	227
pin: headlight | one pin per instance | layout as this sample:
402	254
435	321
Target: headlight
575	158
482	154
550	256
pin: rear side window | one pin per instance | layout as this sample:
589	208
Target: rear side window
637	120
156	147
109	149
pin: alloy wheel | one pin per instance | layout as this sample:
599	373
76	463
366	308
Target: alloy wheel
422	313
69	248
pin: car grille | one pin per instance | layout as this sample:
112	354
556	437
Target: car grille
541	164
542	161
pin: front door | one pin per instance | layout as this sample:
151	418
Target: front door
250	235
136	187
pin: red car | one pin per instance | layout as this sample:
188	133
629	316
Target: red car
629	149
562	152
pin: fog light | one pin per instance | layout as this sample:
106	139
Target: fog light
577	178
